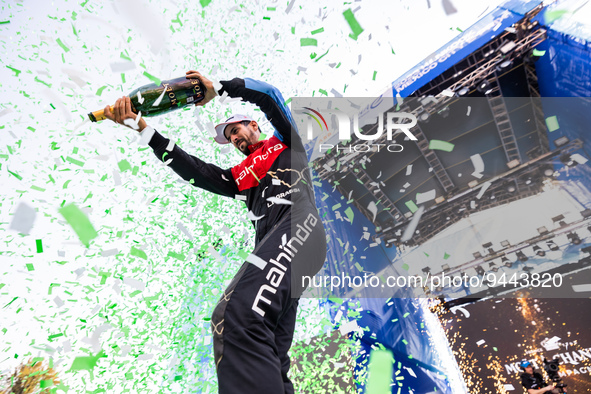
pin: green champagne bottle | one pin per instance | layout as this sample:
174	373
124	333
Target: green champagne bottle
154	100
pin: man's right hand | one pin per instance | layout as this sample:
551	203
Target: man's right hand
122	111
210	91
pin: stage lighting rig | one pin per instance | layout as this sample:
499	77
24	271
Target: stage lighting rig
539	251
521	256
480	271
574	238
484	87
552	246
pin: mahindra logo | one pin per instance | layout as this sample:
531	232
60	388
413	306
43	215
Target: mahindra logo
396	122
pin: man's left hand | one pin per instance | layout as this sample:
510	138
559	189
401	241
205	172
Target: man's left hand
210	91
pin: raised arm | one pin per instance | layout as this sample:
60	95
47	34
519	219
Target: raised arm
269	99
204	175
199	173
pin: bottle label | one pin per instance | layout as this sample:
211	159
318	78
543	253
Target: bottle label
171	95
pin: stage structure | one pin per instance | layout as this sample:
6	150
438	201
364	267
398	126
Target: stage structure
511	195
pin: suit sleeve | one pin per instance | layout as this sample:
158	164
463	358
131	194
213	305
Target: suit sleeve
199	173
269	99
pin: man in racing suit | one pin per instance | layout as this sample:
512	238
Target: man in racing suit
254	320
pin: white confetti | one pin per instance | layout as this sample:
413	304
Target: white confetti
253	217
483	188
116	178
582	288
58	301
411	372
240	197
412	226
469	110
121	67
257	261
276	200
23	219
409	169
478	164
134	283
140	99
578	158
482	341
427	196
109	252
372	207
348	327
447	93
276	182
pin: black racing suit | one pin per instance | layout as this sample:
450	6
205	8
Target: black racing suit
254	320
535	381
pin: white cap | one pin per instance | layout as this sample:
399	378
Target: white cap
220	138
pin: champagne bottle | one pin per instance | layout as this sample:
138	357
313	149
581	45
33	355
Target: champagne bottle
154	100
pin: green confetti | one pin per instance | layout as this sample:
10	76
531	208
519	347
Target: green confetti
412	206
537	52
552	15
43	82
446	256
204	3
242	254
17	176
79	222
30	267
4	22
374	75
138	253
353	24
61	44
441	145
40	189
317	31
153	78
86	363
74	161
177	256
379	371
552	123
405	267
308	42
349	213
17	72
124	165
100	90
39	244
46	383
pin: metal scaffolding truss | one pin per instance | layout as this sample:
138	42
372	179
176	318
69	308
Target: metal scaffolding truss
433	160
454	209
502	120
536	102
